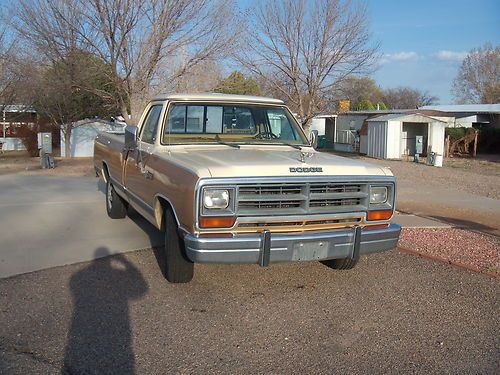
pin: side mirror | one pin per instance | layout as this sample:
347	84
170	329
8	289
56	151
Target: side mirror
314	138
130	137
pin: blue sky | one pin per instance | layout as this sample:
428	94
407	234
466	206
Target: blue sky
423	42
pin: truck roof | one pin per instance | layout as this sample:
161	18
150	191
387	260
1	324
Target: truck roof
216	97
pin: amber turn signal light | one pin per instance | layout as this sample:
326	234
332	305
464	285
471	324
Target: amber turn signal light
379	215
217	222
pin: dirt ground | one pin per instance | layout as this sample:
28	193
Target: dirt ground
474	176
21	163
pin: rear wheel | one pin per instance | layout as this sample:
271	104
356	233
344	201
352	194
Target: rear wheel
115	205
176	267
341	264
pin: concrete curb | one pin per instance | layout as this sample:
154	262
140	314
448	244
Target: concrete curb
447	261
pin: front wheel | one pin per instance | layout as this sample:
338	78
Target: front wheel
176	267
341	264
115	205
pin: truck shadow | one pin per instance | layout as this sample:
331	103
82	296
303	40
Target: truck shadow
100	336
156	237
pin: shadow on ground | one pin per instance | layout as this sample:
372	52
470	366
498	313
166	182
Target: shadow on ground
100	337
466	224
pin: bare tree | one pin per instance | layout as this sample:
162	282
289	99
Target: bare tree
407	97
303	49
478	79
7	68
148	43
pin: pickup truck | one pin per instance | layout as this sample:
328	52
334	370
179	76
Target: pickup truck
234	179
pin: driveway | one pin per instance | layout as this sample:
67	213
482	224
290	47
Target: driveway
49	221
394	313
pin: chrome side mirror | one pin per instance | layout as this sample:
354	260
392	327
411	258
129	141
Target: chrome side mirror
314	138
130	137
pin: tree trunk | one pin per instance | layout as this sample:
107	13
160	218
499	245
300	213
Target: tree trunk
67	140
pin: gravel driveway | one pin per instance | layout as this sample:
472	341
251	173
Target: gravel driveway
394	313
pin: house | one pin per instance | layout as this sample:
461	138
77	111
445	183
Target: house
14	117
471	115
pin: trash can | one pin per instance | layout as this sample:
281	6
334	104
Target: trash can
431	158
438	160
322	141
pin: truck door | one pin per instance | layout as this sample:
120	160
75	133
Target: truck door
137	175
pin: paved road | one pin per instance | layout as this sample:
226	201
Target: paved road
50	221
394	313
450	205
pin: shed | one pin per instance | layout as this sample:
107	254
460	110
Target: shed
84	133
393	136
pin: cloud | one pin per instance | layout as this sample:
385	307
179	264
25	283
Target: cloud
398	56
450	55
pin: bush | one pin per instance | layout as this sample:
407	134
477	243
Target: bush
456	133
29	138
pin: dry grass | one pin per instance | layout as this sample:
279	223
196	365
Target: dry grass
17	162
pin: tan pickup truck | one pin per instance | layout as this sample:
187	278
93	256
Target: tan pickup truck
234	179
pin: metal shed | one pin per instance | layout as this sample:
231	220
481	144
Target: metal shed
83	136
393	136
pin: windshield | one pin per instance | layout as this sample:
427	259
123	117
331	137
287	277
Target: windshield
207	123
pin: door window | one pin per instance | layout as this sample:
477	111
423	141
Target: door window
151	124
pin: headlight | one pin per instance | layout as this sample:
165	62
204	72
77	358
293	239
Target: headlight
215	199
378	194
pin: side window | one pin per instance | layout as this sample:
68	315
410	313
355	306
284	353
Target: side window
194	119
176	119
150	126
214	119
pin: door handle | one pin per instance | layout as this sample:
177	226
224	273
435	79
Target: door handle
148	175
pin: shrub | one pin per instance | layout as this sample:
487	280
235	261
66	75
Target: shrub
29	138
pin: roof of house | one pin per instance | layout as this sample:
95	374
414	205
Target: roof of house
216	97
466	108
11	108
397	116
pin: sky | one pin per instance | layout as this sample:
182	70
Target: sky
423	42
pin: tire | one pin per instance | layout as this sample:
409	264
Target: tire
176	267
341	264
115	205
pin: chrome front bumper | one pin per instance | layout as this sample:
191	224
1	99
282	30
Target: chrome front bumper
270	248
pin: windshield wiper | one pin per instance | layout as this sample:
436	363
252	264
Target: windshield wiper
216	139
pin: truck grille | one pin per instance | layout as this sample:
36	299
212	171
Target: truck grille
305	198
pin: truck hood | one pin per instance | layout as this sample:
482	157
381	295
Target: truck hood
251	161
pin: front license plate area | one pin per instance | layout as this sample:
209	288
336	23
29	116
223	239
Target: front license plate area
313	250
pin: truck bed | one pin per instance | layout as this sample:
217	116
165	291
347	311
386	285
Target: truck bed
109	147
